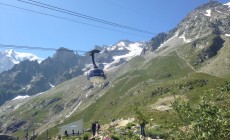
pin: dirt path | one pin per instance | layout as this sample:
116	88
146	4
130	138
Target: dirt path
187	63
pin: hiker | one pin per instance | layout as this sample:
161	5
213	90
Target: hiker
142	126
94	128
98	127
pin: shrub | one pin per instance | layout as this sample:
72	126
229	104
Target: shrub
156	133
204	121
86	136
114	137
129	125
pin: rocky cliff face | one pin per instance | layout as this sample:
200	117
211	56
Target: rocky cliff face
30	77
61	62
210	18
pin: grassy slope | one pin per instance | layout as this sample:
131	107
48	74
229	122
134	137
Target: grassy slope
135	87
143	86
40	109
218	65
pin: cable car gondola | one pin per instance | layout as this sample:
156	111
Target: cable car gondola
96	75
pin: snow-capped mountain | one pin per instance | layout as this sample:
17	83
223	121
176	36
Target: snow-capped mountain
119	53
32	77
9	58
122	52
210	18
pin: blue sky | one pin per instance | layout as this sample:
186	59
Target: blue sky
23	28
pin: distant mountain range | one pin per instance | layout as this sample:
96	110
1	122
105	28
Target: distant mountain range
29	76
9	58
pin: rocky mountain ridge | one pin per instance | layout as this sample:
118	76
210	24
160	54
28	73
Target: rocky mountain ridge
9	58
31	77
210	18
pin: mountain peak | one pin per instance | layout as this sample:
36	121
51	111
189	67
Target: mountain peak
210	4
210	18
10	51
63	51
9	58
207	19
213	3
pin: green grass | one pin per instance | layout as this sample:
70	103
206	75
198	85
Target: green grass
194	52
132	89
161	77
115	104
172	66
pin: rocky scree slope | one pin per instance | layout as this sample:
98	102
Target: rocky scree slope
210	18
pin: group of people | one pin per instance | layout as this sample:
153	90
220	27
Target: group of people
95	128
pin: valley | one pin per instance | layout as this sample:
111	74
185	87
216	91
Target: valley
166	79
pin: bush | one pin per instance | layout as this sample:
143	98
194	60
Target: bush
114	137
204	121
86	136
156	133
129	125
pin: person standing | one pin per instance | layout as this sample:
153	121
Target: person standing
98	127
142	126
94	128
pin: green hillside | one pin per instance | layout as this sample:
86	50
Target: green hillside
144	86
209	54
150	85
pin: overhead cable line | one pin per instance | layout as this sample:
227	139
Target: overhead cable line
61	10
46	49
63	18
36	48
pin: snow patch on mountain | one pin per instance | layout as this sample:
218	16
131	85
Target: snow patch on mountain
133	49
208	13
184	39
51	85
23	56
228	4
227	35
171	41
17	57
21	97
9	58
